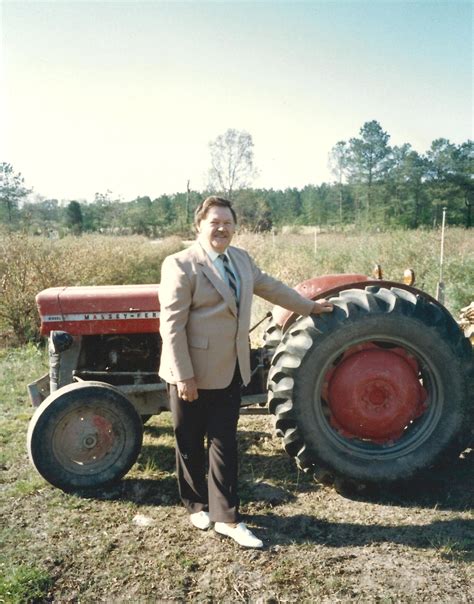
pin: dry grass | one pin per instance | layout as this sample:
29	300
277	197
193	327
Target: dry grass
294	258
133	542
30	264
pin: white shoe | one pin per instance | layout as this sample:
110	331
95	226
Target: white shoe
239	533
200	520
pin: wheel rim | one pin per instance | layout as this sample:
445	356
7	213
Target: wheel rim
421	401
88	440
373	393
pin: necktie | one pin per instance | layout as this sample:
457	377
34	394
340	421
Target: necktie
231	280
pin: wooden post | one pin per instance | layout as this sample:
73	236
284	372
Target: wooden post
440	286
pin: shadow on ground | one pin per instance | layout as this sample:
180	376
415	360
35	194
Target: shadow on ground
453	538
273	479
447	488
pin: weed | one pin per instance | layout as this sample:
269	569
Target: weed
25	486
150	468
453	549
24	584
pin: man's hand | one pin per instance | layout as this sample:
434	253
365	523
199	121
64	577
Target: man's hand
321	307
187	390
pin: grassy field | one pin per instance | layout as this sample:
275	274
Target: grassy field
133	542
30	264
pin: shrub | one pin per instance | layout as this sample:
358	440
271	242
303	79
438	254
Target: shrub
31	264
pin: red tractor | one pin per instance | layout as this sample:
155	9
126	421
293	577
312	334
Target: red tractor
378	391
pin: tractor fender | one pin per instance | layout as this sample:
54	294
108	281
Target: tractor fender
315	288
330	285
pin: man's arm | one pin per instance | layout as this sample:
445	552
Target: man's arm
277	292
175	302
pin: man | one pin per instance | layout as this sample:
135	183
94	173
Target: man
205	298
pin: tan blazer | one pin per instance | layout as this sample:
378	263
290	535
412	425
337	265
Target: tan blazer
203	334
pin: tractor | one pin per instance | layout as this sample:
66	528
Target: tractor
377	392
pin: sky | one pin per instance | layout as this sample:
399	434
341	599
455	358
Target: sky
126	96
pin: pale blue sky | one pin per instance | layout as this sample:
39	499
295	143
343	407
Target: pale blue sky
126	95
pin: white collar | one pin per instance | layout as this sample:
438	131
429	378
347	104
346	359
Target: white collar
213	255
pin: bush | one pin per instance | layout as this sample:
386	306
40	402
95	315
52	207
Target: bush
31	264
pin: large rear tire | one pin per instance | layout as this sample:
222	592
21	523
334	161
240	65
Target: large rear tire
272	336
84	436
375	392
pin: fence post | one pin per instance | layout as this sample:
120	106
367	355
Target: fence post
440	286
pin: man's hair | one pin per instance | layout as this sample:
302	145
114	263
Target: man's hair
204	207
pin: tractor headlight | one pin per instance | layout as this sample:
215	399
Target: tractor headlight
61	341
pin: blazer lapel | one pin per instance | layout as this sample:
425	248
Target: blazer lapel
214	277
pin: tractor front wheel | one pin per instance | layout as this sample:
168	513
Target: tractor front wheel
375	392
84	436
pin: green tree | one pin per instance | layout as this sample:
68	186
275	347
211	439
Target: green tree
253	211
448	179
338	163
165	216
285	205
403	196
139	217
315	209
12	191
463	177
73	217
367	160
107	213
41	215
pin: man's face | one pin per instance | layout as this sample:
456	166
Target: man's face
217	228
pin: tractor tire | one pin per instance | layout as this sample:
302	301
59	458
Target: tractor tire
272	337
381	352
84	436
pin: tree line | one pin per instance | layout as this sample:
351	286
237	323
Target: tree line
375	184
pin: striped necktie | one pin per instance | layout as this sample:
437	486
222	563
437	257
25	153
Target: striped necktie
231	280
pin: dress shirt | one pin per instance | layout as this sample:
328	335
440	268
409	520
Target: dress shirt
217	262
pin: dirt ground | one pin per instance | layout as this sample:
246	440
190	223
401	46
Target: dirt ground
133	542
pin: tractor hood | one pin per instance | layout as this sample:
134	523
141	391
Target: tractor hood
99	309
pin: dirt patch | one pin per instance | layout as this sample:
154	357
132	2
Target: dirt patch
134	542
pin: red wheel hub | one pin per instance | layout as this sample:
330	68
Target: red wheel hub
374	393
